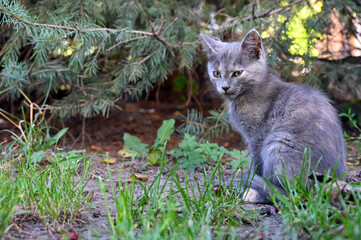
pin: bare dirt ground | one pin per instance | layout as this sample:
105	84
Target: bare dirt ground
105	136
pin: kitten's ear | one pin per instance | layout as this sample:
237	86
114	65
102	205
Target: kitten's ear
210	45
252	45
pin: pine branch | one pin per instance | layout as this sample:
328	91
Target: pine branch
50	70
88	51
34	24
270	12
196	123
158	35
144	59
126	42
75	28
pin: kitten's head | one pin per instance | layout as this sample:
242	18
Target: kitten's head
235	68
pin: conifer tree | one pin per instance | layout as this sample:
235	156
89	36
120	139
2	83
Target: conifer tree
96	52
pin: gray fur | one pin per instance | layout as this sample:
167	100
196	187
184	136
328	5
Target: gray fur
278	120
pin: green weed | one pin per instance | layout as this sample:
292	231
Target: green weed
191	153
152	154
40	179
176	205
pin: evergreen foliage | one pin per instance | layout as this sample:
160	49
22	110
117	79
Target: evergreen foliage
96	52
205	127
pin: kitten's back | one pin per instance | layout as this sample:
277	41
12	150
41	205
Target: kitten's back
308	116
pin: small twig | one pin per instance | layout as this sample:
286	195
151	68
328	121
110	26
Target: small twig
76	27
126	42
51	70
219	12
198	103
81	8
271	12
196	123
217	125
7	118
144	59
170	24
4	46
26	97
264	14
161	26
27	55
209	130
21	130
189	88
82	136
278	10
5	90
146	15
253	8
194	95
158	91
83	133
268	13
80	89
100	47
138	32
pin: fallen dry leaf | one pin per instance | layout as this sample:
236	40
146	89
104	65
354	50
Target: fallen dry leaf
95	148
353	164
109	160
343	189
129	109
137	177
123	153
337	188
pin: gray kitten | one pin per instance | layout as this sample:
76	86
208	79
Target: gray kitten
278	120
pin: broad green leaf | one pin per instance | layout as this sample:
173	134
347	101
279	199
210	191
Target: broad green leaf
134	145
37	156
57	136
166	130
164	133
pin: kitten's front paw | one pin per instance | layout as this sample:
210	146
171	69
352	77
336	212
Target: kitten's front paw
251	196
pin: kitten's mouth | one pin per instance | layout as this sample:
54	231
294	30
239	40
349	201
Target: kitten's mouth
229	94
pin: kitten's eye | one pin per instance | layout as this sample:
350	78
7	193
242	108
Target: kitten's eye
237	73
216	74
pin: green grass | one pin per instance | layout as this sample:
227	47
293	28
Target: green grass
41	180
319	212
190	209
169	208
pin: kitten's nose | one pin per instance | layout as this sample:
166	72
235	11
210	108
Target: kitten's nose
225	89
